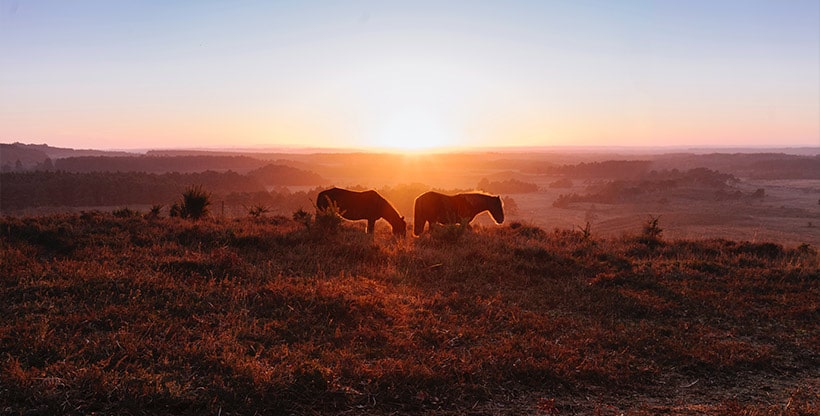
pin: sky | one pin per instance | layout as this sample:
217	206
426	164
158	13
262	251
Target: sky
380	75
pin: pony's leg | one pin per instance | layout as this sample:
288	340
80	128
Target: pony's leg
418	227
371	226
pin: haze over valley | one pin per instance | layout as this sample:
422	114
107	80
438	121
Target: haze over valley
756	196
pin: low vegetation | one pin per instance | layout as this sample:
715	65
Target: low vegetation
193	204
134	314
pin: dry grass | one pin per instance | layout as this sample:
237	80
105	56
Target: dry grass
131	315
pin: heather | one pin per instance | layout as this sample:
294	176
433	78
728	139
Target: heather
269	315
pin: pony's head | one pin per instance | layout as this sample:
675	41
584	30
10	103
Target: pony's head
496	209
400	228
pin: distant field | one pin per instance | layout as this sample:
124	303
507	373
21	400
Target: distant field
788	214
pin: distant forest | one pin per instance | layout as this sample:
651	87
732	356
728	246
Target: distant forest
709	184
42	176
753	166
43	188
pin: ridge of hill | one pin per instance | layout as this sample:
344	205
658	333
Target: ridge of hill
32	155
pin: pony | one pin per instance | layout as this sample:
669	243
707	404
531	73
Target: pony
366	205
434	207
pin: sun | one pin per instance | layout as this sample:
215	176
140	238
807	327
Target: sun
412	131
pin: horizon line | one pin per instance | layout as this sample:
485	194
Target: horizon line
443	150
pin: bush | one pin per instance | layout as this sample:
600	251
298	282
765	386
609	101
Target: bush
194	203
257	211
303	217
125	213
154	211
329	219
651	233
449	233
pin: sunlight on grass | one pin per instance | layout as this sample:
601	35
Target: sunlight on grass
259	314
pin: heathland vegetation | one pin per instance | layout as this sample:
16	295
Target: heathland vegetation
144	314
183	282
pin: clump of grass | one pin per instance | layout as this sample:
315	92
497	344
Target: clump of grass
303	217
449	233
125	213
193	204
154	212
528	231
256	211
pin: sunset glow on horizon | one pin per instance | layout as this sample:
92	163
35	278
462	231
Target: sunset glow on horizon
409	77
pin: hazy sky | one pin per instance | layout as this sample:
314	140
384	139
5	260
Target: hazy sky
374	74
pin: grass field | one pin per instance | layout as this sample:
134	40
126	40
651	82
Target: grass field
136	316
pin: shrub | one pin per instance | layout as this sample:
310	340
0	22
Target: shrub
329	219
256	211
154	211
586	231
651	228
651	233
303	217
449	233
194	203
125	213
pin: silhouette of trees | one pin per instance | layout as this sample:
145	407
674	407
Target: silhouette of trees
509	186
157	164
655	182
620	169
40	188
285	175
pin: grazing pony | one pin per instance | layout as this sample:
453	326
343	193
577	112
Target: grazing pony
434	207
366	205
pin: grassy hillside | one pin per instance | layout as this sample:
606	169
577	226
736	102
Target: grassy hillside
146	316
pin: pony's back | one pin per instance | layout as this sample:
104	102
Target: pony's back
434	207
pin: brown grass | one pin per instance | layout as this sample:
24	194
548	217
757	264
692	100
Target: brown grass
263	315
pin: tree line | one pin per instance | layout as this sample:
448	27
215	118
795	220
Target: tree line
42	188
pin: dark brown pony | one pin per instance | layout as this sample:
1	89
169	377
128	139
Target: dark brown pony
366	205
434	207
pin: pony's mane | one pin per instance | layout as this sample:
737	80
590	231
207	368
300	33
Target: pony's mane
479	193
